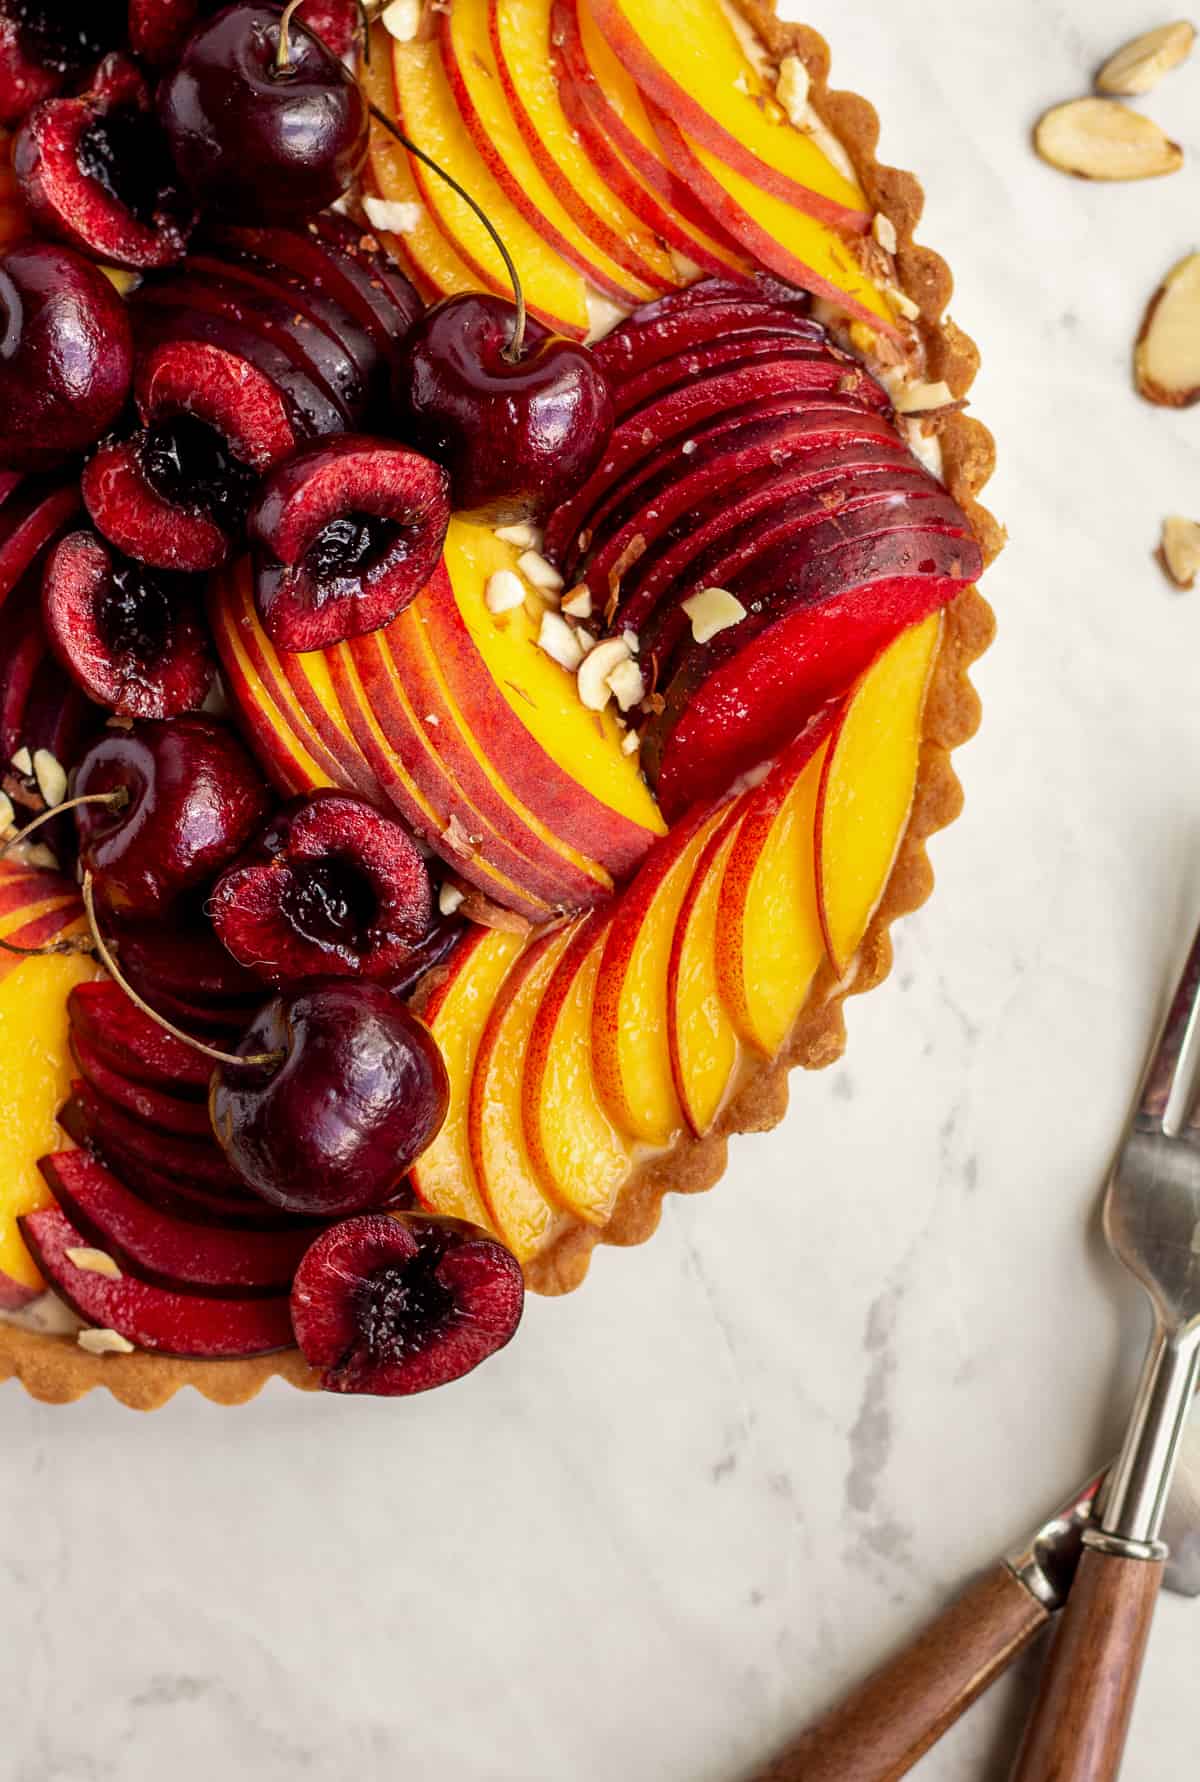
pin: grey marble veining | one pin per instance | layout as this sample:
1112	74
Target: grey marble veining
693	1501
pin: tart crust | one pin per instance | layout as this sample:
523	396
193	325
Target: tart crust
55	1370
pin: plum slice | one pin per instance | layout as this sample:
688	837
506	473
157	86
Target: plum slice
394	1305
141	1101
150	1317
345	535
96	172
135	1045
120	1139
133	638
166	1251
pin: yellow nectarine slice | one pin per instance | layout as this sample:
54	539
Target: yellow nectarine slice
631	1056
582	1159
428	115
703	1040
35	1076
867	790
527	711
775	231
456	1013
520	32
390	171
508	1183
769	939
689	60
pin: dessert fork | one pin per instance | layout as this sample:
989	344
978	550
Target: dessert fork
1079	1726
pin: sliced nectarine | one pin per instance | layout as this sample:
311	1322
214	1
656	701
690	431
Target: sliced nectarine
428	115
456	1013
520	35
515	1204
769	940
774	230
867	787
688	59
703	1040
582	1159
630	1051
481	91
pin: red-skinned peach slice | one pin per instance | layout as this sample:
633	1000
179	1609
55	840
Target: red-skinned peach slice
154	1318
456	1011
631	1060
498	132
704	1045
581	1157
520	40
426	112
152	1246
774	232
769	941
630	165
515	1202
867	787
690	62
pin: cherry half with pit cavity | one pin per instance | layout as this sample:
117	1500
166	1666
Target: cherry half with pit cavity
395	1304
357	1089
345	536
66	355
517	415
332	886
46	44
265	123
133	639
185	797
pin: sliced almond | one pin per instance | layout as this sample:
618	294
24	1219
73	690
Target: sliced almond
578	603
1102	139
626	684
23	762
1139	66
450	898
713	610
93	1262
884	231
104	1342
394	216
792	88
1167	360
8	815
921	399
1180	550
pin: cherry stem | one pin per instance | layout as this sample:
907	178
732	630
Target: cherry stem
75	943
265	1060
115	800
516	345
283	59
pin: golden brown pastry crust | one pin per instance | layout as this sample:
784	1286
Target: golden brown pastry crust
56	1371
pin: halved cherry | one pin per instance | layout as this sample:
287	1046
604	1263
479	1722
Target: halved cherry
393	1305
44	44
97	173
132	638
332	886
346	535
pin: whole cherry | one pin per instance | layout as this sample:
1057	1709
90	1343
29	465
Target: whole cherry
355	1090
66	355
265	124
174	802
517	415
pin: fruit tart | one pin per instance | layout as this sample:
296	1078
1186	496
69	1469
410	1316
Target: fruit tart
488	539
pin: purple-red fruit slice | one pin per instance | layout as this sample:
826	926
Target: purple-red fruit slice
332	886
34	512
345	537
391	1306
198	1162
96	172
188	962
170	1252
149	1317
134	1044
141	1101
132	638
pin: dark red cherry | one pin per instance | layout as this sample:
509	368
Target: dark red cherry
331	886
133	639
359	1092
345	536
256	142
517	436
194	797
96	172
66	355
395	1304
45	44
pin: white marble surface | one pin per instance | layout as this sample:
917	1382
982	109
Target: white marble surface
695	1499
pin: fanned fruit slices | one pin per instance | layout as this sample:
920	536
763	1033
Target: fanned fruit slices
483	621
